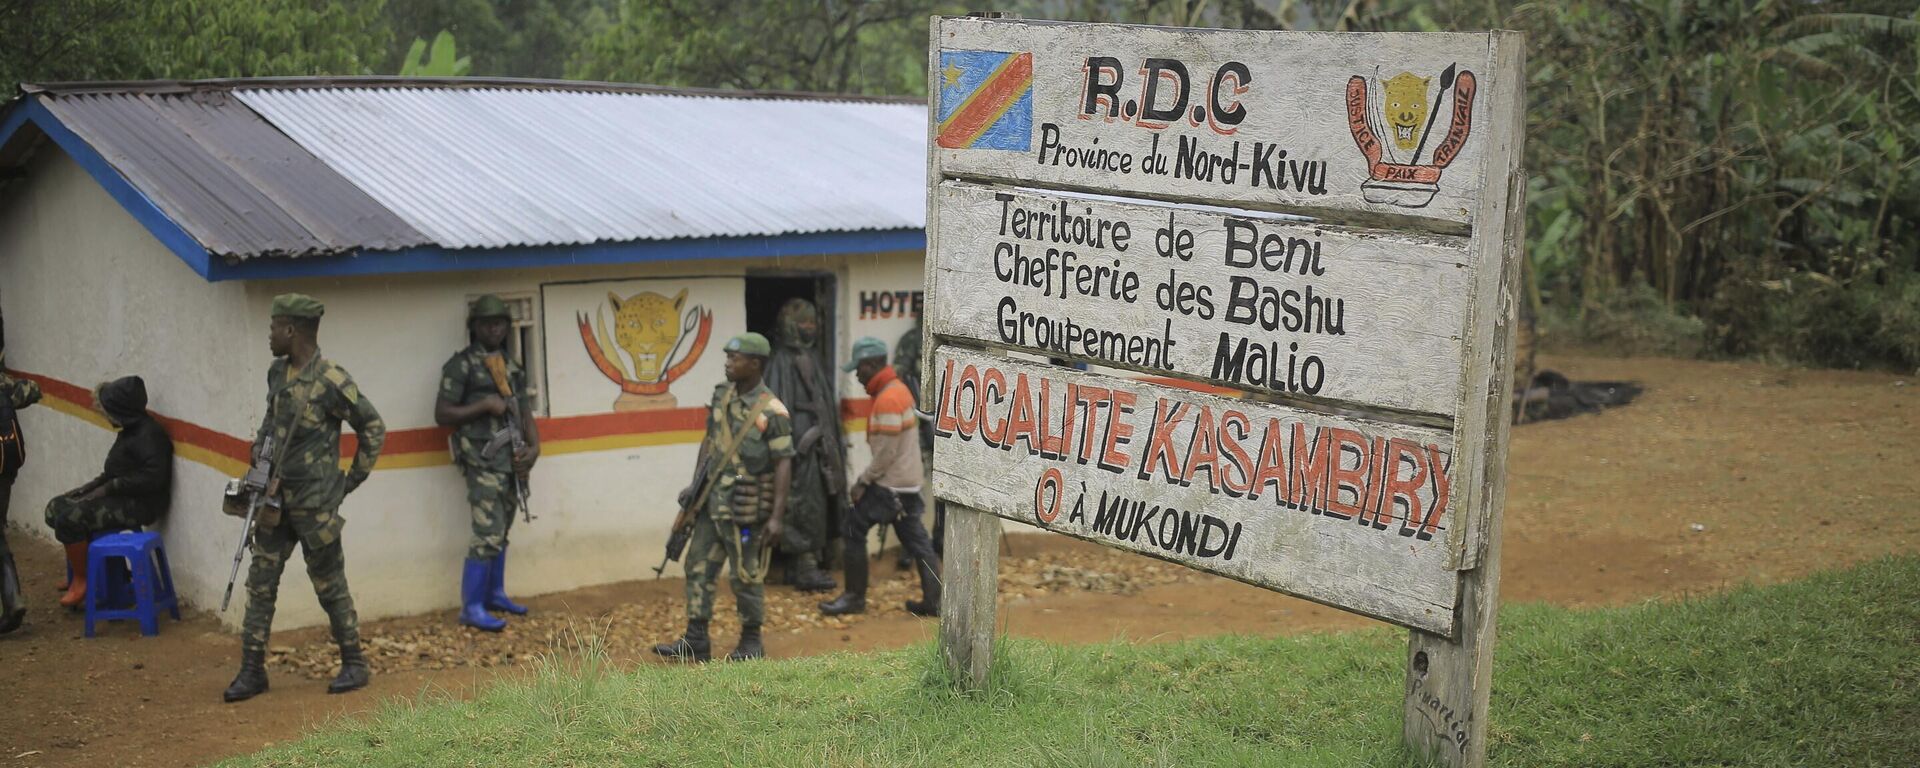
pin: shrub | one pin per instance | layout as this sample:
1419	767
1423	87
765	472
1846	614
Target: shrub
1630	321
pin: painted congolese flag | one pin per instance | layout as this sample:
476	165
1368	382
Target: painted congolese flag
986	100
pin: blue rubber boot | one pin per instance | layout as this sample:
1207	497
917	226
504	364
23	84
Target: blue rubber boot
473	590
497	587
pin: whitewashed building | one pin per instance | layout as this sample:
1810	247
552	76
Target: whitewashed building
144	227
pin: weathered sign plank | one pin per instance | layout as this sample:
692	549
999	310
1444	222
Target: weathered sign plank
1234	299
1090	197
1355	127
1349	512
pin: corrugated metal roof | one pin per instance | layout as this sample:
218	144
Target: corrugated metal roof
305	166
233	182
490	168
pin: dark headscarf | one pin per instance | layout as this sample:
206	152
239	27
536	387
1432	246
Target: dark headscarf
123	400
790	333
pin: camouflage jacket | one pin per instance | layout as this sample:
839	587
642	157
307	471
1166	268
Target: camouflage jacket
19	393
304	416
768	439
464	381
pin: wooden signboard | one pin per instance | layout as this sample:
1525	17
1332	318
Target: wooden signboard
1341	126
1274	306
1317	406
1349	512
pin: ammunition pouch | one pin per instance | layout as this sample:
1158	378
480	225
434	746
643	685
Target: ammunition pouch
745	500
268	516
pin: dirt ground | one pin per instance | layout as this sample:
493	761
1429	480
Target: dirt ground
1721	473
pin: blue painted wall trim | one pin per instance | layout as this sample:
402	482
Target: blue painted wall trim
437	259
136	203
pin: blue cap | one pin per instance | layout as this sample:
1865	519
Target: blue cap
866	348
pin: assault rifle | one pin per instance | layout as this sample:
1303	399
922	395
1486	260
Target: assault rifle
683	522
510	436
708	473
260	488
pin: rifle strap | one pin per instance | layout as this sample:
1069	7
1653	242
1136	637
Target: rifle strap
730	454
273	412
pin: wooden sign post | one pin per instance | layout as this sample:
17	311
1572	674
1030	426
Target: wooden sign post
1287	262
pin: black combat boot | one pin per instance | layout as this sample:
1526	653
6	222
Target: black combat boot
692	646
929	602
854	600
252	680
354	672
807	576
749	647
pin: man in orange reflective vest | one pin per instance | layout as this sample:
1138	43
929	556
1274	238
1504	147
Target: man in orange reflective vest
889	490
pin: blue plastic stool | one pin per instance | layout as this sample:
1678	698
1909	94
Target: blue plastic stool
119	583
146	561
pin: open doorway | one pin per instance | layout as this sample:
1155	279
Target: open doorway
767	291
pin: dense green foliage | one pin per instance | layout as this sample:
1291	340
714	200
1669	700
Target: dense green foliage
843	47
1735	177
510	38
53	40
1754	163
1820	672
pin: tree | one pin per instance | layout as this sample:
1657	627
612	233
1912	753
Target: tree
54	39
547	34
841	46
440	61
188	39
475	23
512	38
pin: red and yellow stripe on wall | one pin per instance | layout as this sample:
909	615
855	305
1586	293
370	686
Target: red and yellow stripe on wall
424	446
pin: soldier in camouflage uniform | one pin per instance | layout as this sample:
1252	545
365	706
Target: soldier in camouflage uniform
740	515
307	398
471	402
14	394
796	375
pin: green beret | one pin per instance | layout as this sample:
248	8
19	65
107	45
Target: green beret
866	348
488	306
750	344
297	305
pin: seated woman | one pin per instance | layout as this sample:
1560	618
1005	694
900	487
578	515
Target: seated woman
132	491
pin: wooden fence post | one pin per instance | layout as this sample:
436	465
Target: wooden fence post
970	584
970	578
1449	680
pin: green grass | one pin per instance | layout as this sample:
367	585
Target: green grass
1822	672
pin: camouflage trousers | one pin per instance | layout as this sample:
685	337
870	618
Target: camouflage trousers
491	499
713	545
318	535
75	521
